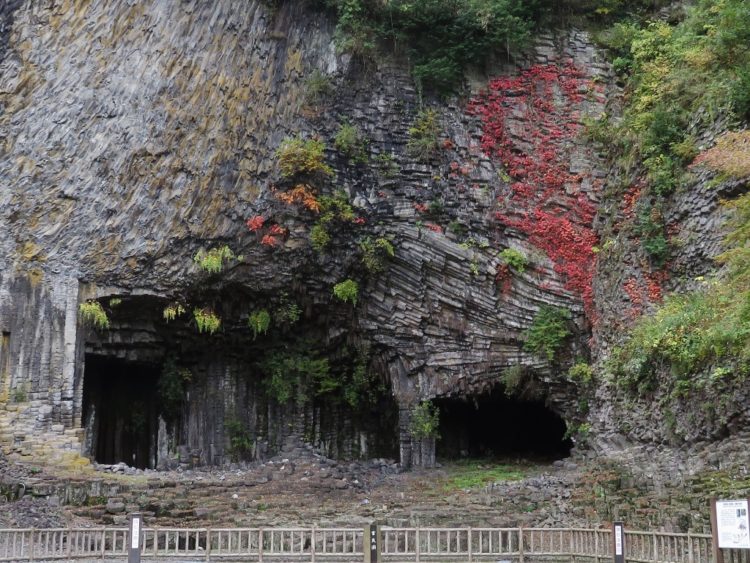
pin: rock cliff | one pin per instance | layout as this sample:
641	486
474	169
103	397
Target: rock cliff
135	135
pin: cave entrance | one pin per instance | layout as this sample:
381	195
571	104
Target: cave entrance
494	425
121	410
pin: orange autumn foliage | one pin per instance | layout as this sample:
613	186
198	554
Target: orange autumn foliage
302	194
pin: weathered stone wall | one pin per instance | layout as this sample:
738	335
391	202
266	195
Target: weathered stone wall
132	135
136	134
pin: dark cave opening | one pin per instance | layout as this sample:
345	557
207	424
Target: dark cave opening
121	410
494	425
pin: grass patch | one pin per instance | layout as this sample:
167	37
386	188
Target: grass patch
472	474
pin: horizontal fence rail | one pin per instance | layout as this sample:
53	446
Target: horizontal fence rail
396	545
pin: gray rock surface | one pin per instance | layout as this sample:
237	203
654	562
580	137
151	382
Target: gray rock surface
134	134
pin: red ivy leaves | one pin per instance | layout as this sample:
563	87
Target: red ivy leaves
256	223
529	123
269	240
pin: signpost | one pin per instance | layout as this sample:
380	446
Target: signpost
372	544
134	539
618	537
730	523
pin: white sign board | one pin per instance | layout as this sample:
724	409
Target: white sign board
618	540
732	524
135	536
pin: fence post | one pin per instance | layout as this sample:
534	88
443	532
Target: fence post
371	543
571	543
134	539
208	544
690	547
471	550
260	544
520	544
418	547
104	543
312	545
656	546
596	545
31	545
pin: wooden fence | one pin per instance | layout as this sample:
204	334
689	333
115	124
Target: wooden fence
323	545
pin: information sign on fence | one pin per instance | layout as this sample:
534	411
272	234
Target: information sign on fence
732	524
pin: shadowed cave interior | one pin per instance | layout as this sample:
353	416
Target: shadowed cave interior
122	398
495	425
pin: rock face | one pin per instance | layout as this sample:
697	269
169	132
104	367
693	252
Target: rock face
134	135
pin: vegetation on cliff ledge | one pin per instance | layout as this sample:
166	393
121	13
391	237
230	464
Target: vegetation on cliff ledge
683	79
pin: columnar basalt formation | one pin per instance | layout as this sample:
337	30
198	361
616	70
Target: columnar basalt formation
134	135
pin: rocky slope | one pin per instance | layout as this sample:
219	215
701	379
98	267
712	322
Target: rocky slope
132	136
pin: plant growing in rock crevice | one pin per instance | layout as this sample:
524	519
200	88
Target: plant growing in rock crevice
548	332
298	156
347	291
240	441
214	259
375	253
424	135
318	87
425	420
92	313
350	143
259	321
171	388
172	311
515	259
206	320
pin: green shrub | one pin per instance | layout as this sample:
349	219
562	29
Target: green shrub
355	29
740	93
240	441
288	312
336	207
386	166
288	371
435	209
650	227
515	259
206	320
212	261
259	321
548	331
333	209
691	73
424	135
347	291
513	378
375	253
317	87
319	237
441	37
298	156
581	372
171	388
458	228
350	143
92	313
425	420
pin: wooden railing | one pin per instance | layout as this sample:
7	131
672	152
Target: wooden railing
348	544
